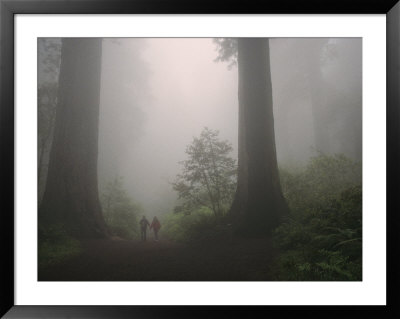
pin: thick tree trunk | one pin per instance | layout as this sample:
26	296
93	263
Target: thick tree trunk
259	204
71	196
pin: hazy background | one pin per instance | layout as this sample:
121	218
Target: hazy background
156	94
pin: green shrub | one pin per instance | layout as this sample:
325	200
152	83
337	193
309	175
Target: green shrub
322	237
120	212
199	225
324	178
55	246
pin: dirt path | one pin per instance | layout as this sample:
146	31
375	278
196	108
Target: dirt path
121	260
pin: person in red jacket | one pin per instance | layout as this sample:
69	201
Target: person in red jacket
155	224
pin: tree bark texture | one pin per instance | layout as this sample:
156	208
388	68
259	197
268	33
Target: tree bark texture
71	196
259	204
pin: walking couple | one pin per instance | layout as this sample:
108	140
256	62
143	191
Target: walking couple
155	225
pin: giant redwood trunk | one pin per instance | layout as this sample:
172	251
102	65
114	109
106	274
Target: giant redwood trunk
259	204
71	196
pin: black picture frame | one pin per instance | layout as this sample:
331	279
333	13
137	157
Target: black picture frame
9	8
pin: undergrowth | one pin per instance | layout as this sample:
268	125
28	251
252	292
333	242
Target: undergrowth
55	246
321	240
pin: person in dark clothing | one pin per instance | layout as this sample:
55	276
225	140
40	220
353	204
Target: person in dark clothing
143	227
155	224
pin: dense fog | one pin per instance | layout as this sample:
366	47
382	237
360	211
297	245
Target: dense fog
157	94
200	159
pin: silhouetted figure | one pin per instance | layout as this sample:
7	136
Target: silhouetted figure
143	227
155	224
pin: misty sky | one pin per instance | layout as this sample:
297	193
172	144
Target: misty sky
188	91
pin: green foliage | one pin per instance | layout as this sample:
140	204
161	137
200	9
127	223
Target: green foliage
209	175
120	213
179	227
324	178
322	238
55	246
200	225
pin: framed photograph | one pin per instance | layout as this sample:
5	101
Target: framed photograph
159	155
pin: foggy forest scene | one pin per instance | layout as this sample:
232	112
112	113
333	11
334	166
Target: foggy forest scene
199	159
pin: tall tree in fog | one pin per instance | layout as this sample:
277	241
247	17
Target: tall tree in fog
123	100
343	60
259	203
320	77
71	195
313	56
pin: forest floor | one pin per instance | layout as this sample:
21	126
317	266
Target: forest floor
122	260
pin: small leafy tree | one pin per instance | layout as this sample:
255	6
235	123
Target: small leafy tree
209	175
120	213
